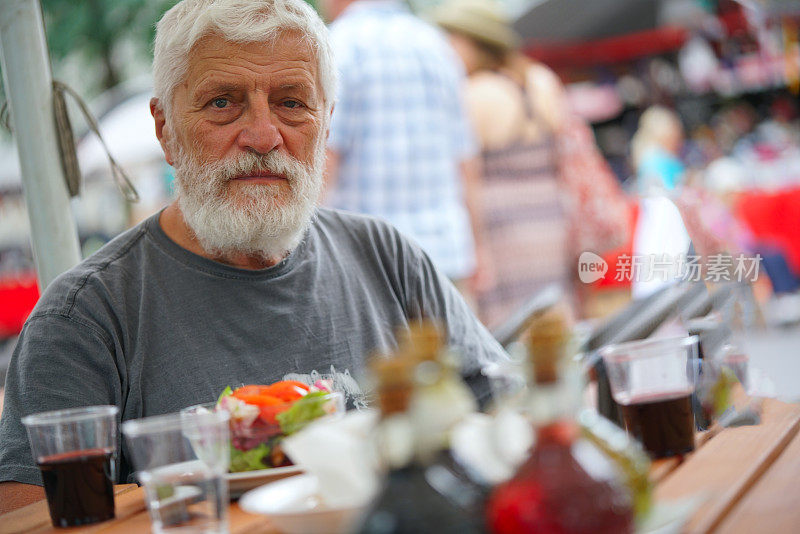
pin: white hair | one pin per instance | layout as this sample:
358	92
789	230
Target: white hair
243	21
656	125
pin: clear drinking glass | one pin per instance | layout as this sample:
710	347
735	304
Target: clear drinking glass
181	460
76	451
653	382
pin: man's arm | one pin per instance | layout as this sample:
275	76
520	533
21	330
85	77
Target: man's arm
15	495
470	174
427	293
59	362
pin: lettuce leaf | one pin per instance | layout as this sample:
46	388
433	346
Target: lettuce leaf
225	392
303	411
255	458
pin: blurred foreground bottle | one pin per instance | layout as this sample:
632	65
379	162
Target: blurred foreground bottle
627	454
441	397
421	397
567	485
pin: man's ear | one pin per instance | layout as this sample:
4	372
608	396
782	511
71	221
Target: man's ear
163	131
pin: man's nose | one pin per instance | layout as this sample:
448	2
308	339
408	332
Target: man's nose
260	132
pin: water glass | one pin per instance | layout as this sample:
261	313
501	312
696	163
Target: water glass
76	451
653	382
181	460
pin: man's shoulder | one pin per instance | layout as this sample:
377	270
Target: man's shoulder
362	232
353	224
107	263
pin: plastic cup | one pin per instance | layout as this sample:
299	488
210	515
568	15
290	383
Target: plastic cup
76	451
181	460
653	382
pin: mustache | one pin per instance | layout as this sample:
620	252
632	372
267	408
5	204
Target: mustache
250	163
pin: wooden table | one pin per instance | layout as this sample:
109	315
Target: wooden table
131	518
750	477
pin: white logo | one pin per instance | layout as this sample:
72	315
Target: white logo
342	382
591	267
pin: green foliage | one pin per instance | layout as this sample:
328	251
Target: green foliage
93	29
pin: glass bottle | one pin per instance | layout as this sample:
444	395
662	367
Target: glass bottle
626	453
566	485
425	490
442	398
440	401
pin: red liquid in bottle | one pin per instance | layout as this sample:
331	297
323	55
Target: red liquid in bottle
552	493
78	486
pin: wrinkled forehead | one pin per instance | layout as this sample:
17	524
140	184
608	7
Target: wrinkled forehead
286	53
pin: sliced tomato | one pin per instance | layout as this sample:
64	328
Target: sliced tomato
293	383
269	413
288	390
258	400
251	389
268	405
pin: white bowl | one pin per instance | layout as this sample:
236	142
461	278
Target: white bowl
293	507
239	483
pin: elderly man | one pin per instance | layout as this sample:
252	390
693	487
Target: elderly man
242	279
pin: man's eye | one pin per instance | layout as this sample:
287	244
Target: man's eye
292	104
220	103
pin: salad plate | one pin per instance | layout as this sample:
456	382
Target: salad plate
238	483
261	416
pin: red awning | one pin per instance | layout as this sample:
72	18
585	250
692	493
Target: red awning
609	50
620	48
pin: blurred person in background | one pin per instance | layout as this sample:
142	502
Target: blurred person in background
655	150
733	128
707	205
661	230
546	193
400	146
724	186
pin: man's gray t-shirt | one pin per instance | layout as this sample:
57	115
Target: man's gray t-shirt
152	328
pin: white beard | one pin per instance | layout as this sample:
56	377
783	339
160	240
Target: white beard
264	221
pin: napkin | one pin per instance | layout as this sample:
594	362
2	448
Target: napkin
337	451
492	446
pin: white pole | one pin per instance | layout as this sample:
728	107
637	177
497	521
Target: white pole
29	89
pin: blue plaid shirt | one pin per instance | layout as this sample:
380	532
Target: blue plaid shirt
401	129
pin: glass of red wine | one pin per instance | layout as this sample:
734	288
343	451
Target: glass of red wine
653	381
76	451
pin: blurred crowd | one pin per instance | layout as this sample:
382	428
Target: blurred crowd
510	160
493	174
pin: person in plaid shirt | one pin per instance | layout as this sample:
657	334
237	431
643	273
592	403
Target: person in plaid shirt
400	144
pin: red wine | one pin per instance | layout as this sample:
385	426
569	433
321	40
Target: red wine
664	424
78	486
554	493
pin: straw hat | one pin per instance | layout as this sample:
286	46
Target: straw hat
483	20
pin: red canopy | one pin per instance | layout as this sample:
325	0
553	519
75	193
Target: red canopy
774	218
18	295
620	48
